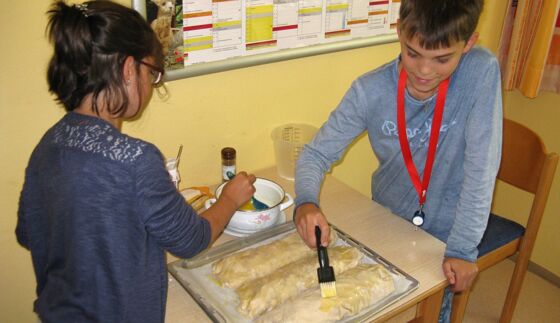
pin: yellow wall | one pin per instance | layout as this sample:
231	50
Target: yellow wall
237	108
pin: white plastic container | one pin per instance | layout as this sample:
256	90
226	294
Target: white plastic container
289	140
171	165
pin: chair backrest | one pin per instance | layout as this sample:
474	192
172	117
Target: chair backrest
527	165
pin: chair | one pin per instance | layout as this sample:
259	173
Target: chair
526	165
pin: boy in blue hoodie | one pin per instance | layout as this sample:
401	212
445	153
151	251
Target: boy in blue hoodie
442	180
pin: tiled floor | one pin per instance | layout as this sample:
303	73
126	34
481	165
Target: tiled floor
539	301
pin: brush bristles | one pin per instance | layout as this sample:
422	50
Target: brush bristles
328	289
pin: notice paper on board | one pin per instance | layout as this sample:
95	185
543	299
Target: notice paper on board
202	31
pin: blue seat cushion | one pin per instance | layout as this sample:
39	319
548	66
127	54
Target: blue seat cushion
500	231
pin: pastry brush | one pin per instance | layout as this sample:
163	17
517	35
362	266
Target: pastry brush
324	272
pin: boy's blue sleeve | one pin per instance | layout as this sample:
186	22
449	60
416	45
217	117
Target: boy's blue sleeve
483	137
345	123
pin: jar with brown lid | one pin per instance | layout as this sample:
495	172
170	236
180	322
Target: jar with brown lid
228	163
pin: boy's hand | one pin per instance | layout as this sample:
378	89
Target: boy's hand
460	273
238	190
307	216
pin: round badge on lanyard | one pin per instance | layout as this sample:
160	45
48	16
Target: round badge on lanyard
421	187
418	218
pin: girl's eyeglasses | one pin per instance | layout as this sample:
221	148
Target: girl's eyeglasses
156	73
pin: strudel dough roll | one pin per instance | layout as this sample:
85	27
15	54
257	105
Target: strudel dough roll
356	289
265	293
235	270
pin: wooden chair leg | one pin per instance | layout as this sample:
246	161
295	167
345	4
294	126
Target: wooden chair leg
460	301
514	288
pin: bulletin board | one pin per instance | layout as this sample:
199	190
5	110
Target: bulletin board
208	36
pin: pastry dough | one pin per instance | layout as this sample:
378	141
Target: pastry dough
356	289
267	292
250	264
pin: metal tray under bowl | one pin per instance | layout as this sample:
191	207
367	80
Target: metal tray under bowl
219	303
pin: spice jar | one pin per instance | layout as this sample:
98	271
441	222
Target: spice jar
228	163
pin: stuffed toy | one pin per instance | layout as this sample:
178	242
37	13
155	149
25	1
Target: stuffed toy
162	23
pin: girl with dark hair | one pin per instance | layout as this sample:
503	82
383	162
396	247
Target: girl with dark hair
98	209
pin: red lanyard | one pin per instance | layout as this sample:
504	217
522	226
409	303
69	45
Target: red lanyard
421	188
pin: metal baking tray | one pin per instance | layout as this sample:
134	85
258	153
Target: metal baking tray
220	304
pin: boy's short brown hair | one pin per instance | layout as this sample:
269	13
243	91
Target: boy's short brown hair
439	23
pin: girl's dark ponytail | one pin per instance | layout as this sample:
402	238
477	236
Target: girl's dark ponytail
91	43
69	32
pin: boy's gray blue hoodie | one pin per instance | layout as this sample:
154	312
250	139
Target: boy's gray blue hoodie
467	158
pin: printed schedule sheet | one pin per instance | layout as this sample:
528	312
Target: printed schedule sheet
219	29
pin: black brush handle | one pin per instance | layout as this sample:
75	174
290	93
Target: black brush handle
321	251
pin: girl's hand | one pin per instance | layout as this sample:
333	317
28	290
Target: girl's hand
238	190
